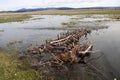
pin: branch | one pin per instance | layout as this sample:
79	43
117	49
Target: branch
52	42
87	50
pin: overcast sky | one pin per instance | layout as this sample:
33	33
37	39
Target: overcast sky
17	4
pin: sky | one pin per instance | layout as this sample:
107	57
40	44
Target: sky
18	4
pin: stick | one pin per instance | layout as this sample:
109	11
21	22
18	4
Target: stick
87	50
52	42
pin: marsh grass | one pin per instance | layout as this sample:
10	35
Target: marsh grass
1	30
95	27
14	18
76	18
15	42
11	68
115	17
14	65
37	18
69	24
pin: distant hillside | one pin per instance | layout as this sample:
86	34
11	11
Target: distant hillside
61	8
58	8
39	9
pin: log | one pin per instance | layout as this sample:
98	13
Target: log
87	50
60	40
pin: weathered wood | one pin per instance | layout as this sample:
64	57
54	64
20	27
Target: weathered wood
88	50
66	48
60	40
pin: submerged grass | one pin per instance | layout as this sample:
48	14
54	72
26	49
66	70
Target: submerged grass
76	18
13	18
115	17
37	18
1	30
95	27
69	24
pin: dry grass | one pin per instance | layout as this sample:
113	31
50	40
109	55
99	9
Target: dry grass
21	16
13	18
69	12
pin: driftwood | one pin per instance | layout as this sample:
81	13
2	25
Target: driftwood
64	49
60	40
88	50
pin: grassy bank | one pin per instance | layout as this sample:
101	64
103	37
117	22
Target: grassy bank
13	69
13	18
9	68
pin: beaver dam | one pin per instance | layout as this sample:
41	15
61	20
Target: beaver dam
64	49
60	54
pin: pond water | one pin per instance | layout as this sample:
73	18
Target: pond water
108	41
30	31
106	67
42	27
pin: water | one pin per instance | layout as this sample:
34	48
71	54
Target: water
108	41
30	31
35	31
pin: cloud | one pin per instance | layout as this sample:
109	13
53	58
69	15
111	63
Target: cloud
17	4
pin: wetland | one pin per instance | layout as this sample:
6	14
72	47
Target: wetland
18	34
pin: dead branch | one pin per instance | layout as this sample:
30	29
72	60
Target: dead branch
88	50
60	40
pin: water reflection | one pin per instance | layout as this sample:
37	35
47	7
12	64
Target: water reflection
108	41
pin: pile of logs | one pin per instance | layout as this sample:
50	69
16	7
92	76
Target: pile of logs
66	49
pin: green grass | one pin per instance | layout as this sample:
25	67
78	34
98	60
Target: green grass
14	18
37	18
1	30
69	24
11	69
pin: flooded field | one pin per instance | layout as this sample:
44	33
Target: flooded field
104	37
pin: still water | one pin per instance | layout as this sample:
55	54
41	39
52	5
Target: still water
108	41
105	67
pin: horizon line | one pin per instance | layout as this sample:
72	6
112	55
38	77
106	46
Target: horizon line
62	7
